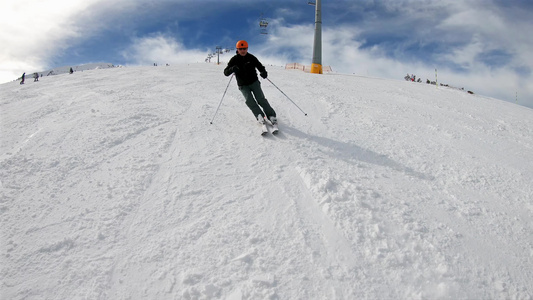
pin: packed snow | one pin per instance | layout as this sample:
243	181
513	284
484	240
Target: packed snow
114	185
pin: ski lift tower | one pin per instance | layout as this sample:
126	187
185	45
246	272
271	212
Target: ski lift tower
219	50
316	66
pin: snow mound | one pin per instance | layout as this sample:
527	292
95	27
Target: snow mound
80	68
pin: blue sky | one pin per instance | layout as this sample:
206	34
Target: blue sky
481	45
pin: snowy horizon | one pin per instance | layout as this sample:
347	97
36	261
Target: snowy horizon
481	45
115	186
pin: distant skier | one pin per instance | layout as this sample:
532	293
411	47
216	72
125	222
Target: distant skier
23	77
244	66
71	71
35	76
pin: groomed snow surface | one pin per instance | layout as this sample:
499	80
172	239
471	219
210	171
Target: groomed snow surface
114	185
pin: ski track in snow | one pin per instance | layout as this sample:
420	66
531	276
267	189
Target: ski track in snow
115	186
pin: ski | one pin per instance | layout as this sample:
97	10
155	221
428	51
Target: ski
274	126
265	123
275	129
264	129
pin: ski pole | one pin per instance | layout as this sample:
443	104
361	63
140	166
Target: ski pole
287	96
222	99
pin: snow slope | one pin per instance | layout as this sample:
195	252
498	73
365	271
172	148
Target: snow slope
80	68
115	186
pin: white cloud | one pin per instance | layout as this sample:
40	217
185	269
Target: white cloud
34	30
342	51
161	49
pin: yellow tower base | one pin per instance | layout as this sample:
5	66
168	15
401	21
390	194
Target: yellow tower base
316	68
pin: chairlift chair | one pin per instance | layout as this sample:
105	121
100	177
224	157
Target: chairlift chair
263	24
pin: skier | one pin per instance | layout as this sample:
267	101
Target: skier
23	77
243	65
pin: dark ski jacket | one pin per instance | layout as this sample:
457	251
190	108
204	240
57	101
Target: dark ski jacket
244	68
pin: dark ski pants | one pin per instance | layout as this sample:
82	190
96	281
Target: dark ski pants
259	101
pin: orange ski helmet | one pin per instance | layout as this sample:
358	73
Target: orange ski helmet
241	44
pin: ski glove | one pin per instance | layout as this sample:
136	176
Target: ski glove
235	69
264	74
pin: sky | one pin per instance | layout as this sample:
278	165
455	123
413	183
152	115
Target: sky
479	45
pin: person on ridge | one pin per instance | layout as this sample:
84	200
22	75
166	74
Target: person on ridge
244	66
